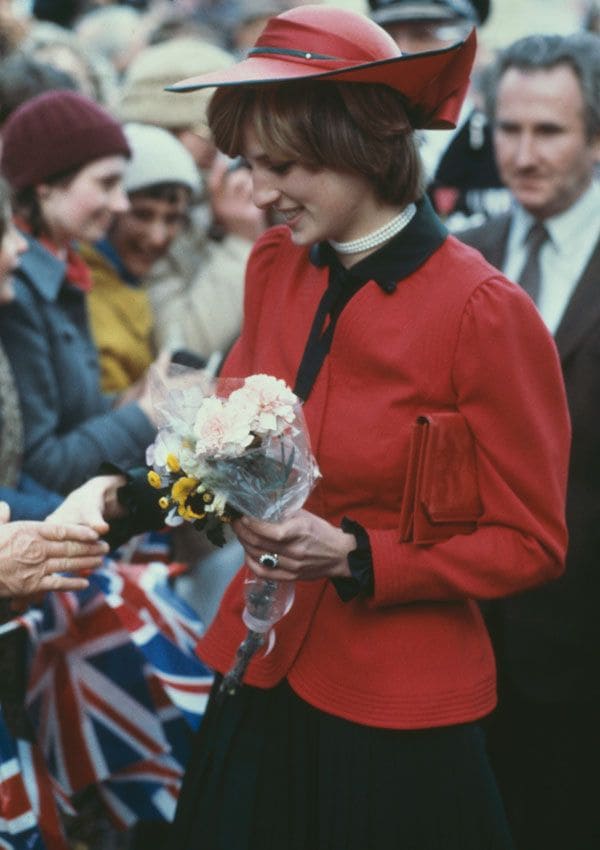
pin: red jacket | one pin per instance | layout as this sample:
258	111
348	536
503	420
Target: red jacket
455	335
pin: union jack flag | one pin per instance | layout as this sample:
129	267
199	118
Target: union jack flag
116	688
115	691
29	818
148	790
165	630
87	694
29	620
145	589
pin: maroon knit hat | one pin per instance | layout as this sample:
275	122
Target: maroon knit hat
56	132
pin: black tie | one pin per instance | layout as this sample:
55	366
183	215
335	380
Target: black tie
530	277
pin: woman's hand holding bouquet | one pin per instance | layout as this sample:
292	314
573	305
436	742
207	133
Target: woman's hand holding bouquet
241	452
308	547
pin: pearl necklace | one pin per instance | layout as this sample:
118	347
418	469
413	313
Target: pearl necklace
377	237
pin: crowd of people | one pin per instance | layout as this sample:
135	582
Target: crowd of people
409	236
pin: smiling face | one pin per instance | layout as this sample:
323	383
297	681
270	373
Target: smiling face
11	248
144	233
543	152
316	204
84	206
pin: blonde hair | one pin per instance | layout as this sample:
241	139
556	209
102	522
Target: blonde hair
360	128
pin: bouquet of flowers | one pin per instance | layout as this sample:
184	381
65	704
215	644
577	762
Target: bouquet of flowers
241	448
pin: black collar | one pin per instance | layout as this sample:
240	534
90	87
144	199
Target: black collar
395	260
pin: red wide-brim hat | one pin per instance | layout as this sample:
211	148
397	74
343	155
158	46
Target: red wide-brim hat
324	43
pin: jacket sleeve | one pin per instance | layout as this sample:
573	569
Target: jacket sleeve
56	455
29	500
509	387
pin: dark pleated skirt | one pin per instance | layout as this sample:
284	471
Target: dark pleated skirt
270	772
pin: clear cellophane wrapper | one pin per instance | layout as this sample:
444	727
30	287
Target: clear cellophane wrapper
231	447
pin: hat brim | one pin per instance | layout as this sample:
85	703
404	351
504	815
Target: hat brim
432	83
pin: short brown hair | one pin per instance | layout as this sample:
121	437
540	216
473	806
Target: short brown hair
360	128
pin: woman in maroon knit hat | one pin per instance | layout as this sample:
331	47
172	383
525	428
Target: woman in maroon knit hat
64	157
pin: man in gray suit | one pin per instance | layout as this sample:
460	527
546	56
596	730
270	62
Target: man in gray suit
545	737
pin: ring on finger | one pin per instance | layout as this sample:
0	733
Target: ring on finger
269	560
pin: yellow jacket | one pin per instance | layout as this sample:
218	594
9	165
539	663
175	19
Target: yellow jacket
122	321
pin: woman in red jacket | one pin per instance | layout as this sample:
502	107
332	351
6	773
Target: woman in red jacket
359	729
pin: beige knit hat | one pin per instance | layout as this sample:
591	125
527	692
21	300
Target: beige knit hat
143	98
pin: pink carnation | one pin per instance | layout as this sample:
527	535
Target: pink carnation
273	403
222	429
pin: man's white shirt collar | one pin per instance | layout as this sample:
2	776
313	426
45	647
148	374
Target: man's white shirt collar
573	235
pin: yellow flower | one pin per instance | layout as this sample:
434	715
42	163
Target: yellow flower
183	488
187	513
173	464
154	480
163	503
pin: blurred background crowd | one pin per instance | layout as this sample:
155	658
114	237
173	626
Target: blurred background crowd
156	266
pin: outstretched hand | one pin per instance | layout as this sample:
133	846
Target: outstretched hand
307	546
92	504
33	554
